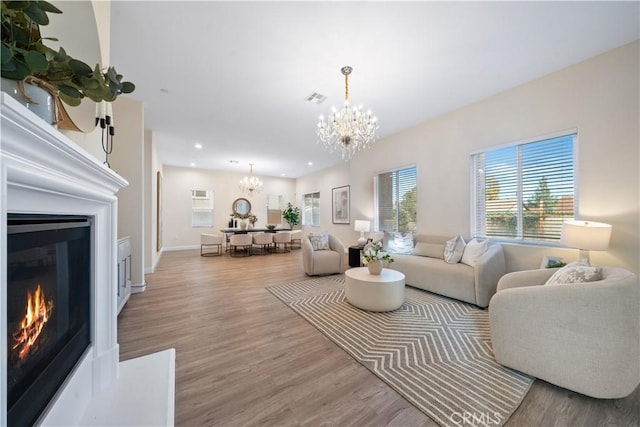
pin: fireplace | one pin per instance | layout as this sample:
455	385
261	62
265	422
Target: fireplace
48	310
61	190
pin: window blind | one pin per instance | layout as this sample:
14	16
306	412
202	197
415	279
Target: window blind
524	191
396	203
311	209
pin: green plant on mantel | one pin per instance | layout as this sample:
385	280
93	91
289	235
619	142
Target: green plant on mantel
26	58
291	214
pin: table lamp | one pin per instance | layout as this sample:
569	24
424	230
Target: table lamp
586	236
363	227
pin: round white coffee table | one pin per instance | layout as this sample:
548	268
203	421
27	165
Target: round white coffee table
374	293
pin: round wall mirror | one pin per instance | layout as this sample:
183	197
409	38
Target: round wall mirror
241	206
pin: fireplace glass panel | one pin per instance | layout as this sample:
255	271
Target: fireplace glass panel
48	308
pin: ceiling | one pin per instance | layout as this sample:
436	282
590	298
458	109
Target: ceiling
233	76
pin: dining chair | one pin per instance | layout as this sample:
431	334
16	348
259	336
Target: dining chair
263	241
282	242
208	241
240	245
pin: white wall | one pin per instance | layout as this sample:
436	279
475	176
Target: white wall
599	97
83	29
324	181
127	160
178	183
152	166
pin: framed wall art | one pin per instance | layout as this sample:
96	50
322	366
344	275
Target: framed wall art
340	205
159	212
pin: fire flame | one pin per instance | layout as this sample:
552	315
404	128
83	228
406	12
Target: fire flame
38	312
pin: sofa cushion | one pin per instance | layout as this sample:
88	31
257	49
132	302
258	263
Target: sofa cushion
454	249
473	251
319	241
431	250
576	272
435	275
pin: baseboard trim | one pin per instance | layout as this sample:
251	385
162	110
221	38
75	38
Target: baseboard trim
181	248
150	270
138	288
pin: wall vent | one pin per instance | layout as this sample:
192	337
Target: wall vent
315	97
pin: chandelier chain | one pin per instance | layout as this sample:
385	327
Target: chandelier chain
346	86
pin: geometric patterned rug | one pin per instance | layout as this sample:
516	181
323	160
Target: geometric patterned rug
434	351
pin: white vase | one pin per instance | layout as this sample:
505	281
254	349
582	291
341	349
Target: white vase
375	267
40	101
243	224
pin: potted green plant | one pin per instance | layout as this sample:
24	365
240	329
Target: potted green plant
291	214
26	59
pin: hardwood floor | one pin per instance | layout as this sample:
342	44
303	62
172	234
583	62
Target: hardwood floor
244	358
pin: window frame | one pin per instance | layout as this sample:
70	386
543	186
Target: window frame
520	196
307	219
376	198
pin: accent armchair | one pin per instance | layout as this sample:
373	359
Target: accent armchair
322	262
584	337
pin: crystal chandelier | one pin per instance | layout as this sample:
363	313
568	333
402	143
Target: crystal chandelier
250	184
350	129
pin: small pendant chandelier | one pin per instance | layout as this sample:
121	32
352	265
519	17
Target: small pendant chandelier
250	184
350	129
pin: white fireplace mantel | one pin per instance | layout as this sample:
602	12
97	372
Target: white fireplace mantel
43	172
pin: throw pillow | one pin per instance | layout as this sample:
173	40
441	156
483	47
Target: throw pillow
431	250
319	241
577	272
454	249
401	243
473	251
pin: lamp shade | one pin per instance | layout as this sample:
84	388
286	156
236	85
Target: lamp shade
588	235
362	226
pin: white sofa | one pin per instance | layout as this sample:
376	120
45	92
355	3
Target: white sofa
475	285
584	337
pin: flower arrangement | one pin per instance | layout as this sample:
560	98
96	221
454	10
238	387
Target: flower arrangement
375	253
248	216
239	216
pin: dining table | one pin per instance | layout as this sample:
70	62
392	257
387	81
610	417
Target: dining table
239	230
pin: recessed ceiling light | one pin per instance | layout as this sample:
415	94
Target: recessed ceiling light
198	146
310	163
192	164
282	174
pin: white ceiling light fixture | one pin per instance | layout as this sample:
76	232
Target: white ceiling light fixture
350	129
250	184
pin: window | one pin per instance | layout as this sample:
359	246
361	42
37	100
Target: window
274	209
396	202
311	209
524	191
201	208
